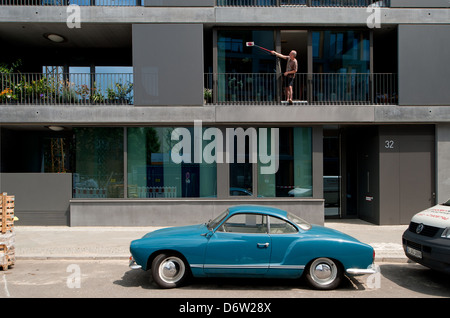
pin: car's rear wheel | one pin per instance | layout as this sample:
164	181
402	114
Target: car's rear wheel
169	270
324	273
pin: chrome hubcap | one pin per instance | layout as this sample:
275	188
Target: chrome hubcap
323	271
171	269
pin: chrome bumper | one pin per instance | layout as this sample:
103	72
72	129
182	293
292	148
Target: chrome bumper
372	269
133	264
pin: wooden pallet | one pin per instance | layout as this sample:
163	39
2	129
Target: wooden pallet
7	235
7	257
6	213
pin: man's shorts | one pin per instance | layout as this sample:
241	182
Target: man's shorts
288	81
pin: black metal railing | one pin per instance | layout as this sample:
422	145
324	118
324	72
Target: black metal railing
220	89
306	3
108	3
219	3
66	88
312	89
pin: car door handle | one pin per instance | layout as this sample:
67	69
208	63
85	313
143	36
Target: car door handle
262	245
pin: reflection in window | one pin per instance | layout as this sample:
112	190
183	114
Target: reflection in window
341	51
245	73
152	173
294	175
245	223
99	163
279	226
56	154
241	167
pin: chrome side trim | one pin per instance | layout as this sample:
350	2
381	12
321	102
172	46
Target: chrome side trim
212	266
215	266
287	266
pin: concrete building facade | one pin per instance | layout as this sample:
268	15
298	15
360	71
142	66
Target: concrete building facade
99	98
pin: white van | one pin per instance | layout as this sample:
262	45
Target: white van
427	239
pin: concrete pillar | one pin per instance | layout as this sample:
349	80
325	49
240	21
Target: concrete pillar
442	162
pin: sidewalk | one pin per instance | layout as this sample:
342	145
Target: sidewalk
62	242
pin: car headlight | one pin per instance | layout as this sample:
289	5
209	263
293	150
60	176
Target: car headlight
446	233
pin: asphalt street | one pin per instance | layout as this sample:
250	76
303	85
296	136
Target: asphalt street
113	279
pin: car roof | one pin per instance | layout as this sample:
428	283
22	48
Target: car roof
258	209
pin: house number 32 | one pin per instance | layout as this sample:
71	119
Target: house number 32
389	144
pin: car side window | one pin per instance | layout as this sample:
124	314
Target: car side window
279	226
245	223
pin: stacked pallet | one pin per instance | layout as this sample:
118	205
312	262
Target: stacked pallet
7	235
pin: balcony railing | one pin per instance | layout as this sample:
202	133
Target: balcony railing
306	3
219	3
108	3
223	89
66	88
311	89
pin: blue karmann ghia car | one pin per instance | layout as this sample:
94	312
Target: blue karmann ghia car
251	241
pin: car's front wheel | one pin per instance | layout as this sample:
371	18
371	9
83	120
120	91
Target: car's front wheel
324	273
169	270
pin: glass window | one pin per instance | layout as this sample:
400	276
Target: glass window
294	175
115	83
99	163
341	63
279	226
245	223
245	73
56	154
341	51
241	179
153	174
241	165
213	223
299	221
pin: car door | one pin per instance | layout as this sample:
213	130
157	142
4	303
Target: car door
286	259
241	247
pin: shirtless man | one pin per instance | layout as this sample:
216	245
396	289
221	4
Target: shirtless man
291	69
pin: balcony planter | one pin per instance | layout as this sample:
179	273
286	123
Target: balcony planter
207	95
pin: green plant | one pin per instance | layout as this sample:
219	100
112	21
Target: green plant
8	69
7	95
96	94
121	92
7	85
207	94
84	91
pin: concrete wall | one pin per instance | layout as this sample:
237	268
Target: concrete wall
176	212
423	68
168	64
40	198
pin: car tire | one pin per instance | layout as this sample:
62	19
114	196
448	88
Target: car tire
324	274
169	270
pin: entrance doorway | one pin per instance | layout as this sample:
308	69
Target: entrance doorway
332	171
383	174
296	40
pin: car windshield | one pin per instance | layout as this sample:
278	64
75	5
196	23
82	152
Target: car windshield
299	221
212	224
